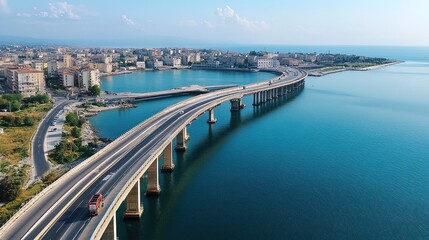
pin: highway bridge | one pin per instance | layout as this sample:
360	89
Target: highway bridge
60	211
187	90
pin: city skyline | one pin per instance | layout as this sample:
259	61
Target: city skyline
228	22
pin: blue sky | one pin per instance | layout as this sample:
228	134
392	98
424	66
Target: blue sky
285	22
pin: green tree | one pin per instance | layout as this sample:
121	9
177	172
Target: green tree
11	186
78	143
29	121
4	104
72	119
17	121
94	90
12	97
39	98
15	106
75	132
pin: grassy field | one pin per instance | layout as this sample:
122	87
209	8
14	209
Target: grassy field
15	141
15	147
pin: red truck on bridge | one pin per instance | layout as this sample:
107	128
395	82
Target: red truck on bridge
95	203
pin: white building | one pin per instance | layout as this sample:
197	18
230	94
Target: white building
141	65
106	67
29	81
67	61
88	78
38	65
68	78
158	64
52	68
177	62
267	63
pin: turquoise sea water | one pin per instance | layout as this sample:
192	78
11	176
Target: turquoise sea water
347	158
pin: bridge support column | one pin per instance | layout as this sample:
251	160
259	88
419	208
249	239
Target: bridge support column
255	99
153	188
269	95
236	104
276	92
110	232
134	208
212	118
168	165
181	140
185	133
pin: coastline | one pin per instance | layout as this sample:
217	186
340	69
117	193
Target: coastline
378	66
320	73
94	110
115	73
165	68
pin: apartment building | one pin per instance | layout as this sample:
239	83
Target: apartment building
28	81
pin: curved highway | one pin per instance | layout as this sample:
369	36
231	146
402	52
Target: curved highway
60	210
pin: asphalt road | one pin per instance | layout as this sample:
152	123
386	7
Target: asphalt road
65	204
40	163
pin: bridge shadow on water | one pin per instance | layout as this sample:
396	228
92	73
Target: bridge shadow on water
158	210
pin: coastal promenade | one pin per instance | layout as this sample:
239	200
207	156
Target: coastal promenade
60	210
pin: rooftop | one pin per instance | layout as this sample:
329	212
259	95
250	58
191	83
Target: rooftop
28	70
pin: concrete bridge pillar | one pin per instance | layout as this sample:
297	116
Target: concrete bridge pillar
185	133
181	140
212	118
276	92
168	165
236	104
269	93
110	231
255	99
134	208
153	188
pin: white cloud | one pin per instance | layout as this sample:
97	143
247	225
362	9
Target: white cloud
62	9
56	10
127	20
228	14
4	7
43	14
252	25
23	15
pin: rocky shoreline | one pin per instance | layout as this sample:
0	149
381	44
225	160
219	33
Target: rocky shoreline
94	110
